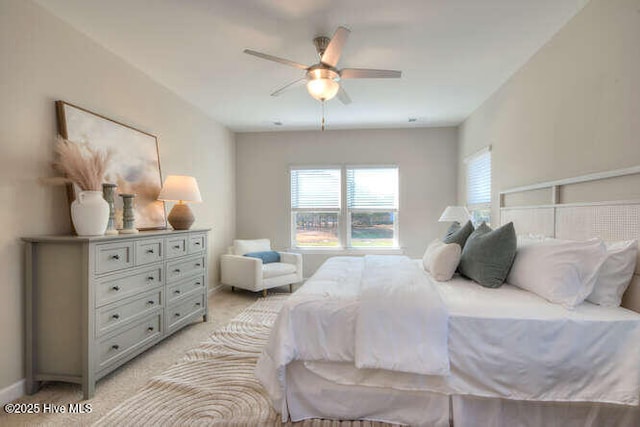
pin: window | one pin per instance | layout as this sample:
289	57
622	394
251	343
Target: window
372	200
315	207
370	195
479	186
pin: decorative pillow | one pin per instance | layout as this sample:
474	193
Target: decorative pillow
242	247
615	274
561	271
267	257
529	239
488	254
441	260
458	234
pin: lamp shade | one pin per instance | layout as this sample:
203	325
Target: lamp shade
180	188
455	213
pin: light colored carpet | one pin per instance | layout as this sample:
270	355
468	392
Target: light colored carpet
214	384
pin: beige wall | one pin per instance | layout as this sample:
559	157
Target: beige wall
426	160
43	59
573	109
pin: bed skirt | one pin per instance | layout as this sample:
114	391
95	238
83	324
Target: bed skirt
311	396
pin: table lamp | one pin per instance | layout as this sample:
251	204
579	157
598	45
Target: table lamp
180	189
455	213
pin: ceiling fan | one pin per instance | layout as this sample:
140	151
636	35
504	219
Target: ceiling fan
323	78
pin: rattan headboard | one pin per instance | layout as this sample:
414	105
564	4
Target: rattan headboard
609	220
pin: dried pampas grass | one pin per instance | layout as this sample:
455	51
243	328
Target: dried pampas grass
82	164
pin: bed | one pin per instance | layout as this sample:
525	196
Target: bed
563	367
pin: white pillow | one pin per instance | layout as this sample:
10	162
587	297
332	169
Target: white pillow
561	271
441	259
242	247
615	274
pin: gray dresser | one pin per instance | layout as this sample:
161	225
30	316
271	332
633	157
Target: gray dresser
93	303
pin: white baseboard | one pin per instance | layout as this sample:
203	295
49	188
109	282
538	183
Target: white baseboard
216	288
13	392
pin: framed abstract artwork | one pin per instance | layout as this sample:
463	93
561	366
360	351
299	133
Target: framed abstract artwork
135	161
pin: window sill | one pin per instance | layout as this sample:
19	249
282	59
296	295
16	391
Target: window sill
348	251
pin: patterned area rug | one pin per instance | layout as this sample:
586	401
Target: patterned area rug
214	384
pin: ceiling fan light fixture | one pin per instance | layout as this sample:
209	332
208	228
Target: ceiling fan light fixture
323	89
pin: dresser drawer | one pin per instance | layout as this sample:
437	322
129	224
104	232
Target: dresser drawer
197	243
113	257
177	270
148	251
113	316
183	312
123	286
187	287
126	342
177	246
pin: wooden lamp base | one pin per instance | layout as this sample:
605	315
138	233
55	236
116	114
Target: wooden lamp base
181	217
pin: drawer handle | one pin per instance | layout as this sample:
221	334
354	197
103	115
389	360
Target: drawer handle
197	283
176	247
115	347
177	314
198	264
116	316
149	251
197	304
177	270
150	278
197	243
116	256
151	302
177	291
115	288
150	328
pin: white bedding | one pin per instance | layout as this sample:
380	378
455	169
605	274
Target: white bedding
504	342
401	323
362	311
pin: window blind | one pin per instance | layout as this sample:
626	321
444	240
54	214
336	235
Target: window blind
372	188
315	189
479	179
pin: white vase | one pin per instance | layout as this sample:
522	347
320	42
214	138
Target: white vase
90	213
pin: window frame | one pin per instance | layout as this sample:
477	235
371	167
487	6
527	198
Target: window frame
473	207
292	211
344	212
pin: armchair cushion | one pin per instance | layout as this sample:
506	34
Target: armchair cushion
277	269
241	247
267	257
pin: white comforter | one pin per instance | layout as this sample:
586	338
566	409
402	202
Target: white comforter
395	320
401	323
504	342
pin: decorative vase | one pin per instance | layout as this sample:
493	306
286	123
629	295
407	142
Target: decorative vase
108	191
128	218
90	213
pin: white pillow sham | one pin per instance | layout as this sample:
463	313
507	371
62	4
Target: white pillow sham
561	271
441	259
615	274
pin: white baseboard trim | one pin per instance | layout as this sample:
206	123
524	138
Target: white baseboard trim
13	392
215	288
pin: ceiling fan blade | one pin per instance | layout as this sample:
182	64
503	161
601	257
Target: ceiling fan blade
288	86
275	59
343	96
369	73
331	55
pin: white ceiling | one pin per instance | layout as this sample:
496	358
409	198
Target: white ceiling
453	53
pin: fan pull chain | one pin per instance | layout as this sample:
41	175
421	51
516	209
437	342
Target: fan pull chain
322	127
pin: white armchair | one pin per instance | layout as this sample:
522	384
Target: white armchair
239	271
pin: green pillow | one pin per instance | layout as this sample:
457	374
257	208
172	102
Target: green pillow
458	234
488	254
